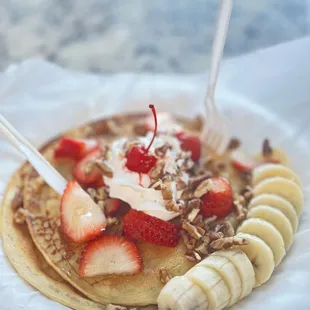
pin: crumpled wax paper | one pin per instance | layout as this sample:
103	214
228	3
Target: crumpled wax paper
264	94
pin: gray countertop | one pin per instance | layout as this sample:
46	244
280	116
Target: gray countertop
140	35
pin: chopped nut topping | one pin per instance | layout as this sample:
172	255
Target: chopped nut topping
198	221
112	221
189	242
92	193
20	216
190	256
166	192
203	248
203	188
234	143
180	184
156	185
164	275
193	256
187	194
193	214
105	167
185	164
246	176
215	235
101	204
267	149
241	212
157	171
162	150
226	228
191	229
247	193
227	243
195	181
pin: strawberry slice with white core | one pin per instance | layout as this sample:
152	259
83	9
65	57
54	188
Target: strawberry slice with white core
243	161
94	177
81	218
74	148
109	255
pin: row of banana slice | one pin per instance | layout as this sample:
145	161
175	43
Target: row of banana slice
227	276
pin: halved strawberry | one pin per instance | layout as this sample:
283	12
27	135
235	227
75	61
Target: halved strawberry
81	218
74	148
243	161
92	178
219	198
143	227
112	206
110	255
190	143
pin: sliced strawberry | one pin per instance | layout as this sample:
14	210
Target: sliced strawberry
190	143
112	206
74	148
110	255
143	227
81	218
92	178
243	161
219	198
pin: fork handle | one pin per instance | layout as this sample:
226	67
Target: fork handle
43	167
218	44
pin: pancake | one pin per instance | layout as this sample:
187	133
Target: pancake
42	206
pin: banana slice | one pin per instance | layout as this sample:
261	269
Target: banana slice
268	233
273	170
212	284
279	203
277	219
284	188
244	267
228	273
182	294
261	257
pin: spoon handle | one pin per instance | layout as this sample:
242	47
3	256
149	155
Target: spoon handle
218	44
43	167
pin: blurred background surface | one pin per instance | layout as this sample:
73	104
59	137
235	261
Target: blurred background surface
141	35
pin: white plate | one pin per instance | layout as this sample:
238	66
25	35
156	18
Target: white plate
42	100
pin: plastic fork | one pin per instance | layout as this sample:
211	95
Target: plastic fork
43	167
216	131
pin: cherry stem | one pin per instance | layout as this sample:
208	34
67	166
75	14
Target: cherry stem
151	106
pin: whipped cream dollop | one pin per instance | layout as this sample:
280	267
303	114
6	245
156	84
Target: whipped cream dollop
132	187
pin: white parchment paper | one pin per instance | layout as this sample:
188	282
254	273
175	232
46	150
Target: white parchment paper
265	94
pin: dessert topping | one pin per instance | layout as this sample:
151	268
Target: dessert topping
138	159
190	143
110	255
86	171
146	228
74	148
81	218
219	198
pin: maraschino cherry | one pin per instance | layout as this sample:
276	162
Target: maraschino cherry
138	159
